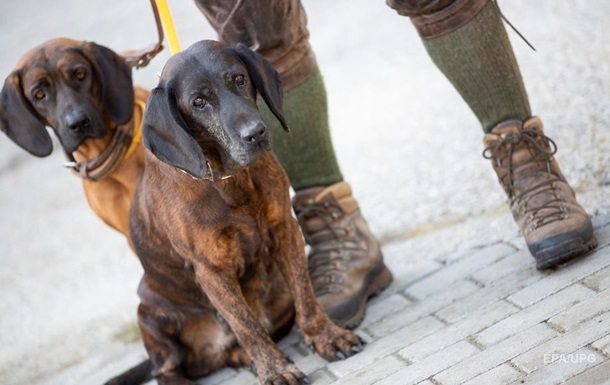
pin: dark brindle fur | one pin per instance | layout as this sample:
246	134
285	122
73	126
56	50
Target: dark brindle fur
224	260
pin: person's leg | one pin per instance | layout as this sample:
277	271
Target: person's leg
345	261
467	41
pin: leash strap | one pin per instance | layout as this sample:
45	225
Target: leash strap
141	58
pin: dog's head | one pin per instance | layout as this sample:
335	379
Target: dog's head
204	111
76	88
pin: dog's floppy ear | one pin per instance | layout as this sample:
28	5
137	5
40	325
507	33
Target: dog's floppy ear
19	121
114	79
164	134
265	78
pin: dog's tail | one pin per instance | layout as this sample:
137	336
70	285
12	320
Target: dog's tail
137	375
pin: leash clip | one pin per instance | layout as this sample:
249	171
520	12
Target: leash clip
73	165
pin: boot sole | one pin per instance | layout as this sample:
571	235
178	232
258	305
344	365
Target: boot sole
560	253
378	280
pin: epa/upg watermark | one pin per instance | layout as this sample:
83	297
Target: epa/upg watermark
571	358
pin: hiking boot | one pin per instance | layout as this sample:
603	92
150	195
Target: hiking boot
556	228
345	261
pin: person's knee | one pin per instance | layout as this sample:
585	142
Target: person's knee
434	18
414	8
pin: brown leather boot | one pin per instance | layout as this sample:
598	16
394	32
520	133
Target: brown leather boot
345	261
556	228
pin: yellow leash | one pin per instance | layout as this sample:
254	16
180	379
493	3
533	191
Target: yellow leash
168	26
174	47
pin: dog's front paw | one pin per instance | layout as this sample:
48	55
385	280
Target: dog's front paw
288	376
336	343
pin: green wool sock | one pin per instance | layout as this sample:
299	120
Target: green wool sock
306	152
478	60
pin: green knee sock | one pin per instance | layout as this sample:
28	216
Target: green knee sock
306	152
479	61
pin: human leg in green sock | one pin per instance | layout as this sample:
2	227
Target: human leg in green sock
306	152
467	41
479	61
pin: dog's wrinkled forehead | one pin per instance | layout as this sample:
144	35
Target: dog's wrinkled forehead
203	58
50	53
52	57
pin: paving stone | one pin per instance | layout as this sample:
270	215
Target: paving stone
296	352
507	266
597	375
389	344
458	270
587	309
519	243
406	274
421	309
320	377
600	280
568	342
500	375
217	377
603	345
451	334
377	309
244	377
532	315
495	355
561	279
372	373
310	363
455	256
435	363
603	237
600	221
294	337
488	294
561	370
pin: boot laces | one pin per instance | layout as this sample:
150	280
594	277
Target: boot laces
329	245
544	148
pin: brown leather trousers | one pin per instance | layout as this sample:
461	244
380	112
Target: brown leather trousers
277	29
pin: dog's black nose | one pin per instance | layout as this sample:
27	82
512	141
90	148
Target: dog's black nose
254	133
77	121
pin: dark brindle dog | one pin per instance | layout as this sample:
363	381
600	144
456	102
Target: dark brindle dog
84	92
211	222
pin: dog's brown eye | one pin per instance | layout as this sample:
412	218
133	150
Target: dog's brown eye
80	74
39	95
240	80
199	102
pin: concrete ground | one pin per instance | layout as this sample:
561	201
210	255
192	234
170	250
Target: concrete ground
467	305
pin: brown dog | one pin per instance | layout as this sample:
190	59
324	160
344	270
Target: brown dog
84	92
211	222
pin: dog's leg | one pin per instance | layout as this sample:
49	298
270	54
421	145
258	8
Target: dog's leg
158	334
328	339
174	378
223	290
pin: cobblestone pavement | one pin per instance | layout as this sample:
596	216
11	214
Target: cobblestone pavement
483	316
467	305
